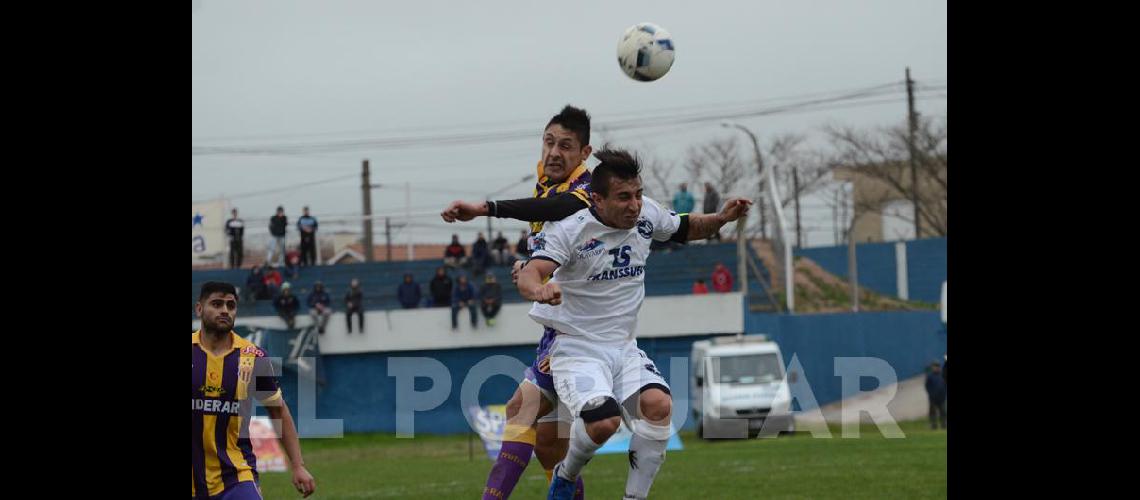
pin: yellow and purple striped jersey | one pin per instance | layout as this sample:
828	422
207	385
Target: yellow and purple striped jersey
220	390
578	184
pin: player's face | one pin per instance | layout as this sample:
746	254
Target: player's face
562	152
217	311
623	205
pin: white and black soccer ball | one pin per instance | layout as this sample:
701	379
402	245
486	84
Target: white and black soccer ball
645	52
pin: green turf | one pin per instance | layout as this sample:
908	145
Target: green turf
799	466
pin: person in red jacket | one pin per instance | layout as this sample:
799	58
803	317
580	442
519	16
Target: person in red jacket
699	288
721	279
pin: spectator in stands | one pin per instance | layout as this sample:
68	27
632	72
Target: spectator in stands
440	287
480	254
277	225
273	280
699	287
721	279
936	395
491	299
683	200
463	296
292	264
320	306
255	288
287	305
500	250
354	304
712	205
235	228
409	292
307	228
454	255
522	248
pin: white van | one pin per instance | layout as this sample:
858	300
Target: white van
739	384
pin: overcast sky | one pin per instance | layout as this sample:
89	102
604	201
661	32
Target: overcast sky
278	72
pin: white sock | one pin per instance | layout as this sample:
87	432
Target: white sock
645	459
581	450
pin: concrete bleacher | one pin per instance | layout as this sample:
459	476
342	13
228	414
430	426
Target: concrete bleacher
669	273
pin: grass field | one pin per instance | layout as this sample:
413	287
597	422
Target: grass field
799	466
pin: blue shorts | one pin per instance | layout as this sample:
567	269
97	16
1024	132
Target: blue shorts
245	490
539	371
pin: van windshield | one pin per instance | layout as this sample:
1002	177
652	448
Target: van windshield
749	369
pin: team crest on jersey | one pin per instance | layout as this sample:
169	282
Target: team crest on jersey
645	228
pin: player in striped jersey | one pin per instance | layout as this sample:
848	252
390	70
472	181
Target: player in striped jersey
227	372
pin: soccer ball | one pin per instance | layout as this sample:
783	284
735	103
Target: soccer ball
645	52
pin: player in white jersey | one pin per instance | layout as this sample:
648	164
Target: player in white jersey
597	257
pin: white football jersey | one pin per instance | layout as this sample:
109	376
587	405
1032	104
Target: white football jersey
601	271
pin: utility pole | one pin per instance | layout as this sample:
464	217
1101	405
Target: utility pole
366	191
912	118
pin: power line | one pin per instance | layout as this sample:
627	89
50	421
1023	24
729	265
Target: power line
510	135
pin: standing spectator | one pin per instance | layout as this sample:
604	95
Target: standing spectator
454	255
320	306
500	251
712	205
354	304
936	395
409	292
277	225
480	254
307	227
287	305
255	288
235	229
440	288
699	288
491	299
683	200
273	280
463	296
721	279
522	248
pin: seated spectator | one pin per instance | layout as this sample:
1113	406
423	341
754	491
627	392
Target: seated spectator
699	288
463	296
491	299
292	264
454	255
480	254
721	279
320	306
409	292
287	305
354	304
522	248
500	251
273	280
440	287
255	288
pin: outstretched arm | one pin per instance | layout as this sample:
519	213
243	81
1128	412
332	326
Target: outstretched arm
702	226
525	209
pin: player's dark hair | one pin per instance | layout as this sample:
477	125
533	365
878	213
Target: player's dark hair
212	287
614	163
575	120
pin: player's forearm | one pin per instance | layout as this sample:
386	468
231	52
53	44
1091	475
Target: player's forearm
536	209
289	439
702	226
529	279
